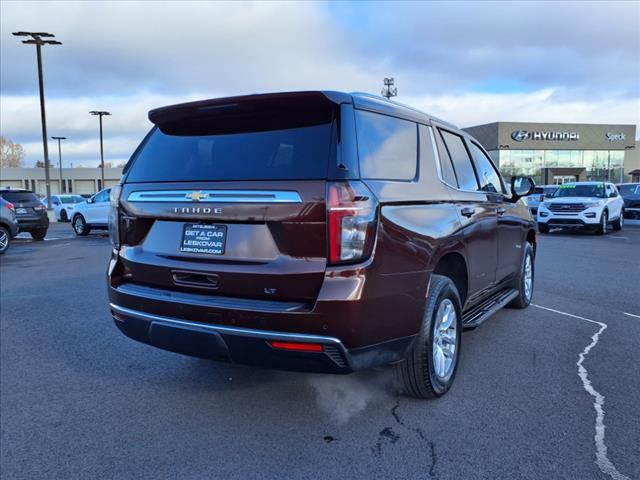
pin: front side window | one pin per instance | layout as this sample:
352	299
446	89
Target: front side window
101	196
461	160
387	146
489	178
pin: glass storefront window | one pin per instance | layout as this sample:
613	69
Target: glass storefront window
532	162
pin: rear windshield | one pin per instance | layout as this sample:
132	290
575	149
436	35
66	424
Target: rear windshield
288	154
19	197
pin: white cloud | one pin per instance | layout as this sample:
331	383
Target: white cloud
579	64
546	105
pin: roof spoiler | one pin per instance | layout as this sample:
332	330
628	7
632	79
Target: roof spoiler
247	103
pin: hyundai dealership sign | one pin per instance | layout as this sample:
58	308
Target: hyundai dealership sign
522	135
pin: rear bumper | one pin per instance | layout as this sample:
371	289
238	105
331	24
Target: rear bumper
28	224
252	347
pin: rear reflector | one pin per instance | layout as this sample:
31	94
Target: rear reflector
297	347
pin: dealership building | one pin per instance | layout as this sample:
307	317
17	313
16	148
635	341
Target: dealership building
559	152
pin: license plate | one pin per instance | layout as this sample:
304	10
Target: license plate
209	239
21	210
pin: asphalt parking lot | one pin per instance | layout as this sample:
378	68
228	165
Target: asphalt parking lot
79	400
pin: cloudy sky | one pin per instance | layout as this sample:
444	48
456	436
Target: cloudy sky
469	63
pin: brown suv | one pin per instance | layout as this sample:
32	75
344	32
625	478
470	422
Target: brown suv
315	231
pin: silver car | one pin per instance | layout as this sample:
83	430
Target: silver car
8	224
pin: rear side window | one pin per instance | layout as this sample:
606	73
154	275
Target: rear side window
461	160
19	197
489	178
200	153
387	146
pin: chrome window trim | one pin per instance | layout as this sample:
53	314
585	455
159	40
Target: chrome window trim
439	168
248	332
215	196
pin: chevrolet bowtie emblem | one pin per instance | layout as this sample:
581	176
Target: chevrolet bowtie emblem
197	196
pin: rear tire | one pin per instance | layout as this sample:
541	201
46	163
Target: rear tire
80	226
543	228
604	223
430	366
39	234
619	223
525	280
5	239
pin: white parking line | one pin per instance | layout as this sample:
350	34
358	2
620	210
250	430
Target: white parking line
631	315
601	449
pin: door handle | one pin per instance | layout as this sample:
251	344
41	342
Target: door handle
501	210
467	211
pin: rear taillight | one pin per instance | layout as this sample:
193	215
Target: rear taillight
351	218
11	207
39	208
114	221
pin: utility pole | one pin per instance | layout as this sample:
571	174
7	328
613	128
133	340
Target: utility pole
101	114
389	90
60	160
37	40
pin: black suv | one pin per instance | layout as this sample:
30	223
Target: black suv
316	231
30	212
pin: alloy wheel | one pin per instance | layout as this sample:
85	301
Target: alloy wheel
528	277
78	225
445	343
4	240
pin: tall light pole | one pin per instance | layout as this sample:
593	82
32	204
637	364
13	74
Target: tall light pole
37	40
389	90
60	159
101	114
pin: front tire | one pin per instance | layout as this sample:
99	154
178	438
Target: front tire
430	367
524	280
604	223
5	239
619	223
80	226
39	234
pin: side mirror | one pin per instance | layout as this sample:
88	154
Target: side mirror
612	195
90	200
521	187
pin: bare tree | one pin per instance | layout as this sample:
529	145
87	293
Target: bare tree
11	154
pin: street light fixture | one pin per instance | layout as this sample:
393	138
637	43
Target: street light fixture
37	40
101	114
60	160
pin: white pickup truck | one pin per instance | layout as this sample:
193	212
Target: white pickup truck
587	205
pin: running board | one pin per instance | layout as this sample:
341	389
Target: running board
482	312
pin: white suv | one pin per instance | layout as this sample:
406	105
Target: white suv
593	205
92	214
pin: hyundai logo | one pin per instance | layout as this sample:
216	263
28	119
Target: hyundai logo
520	135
